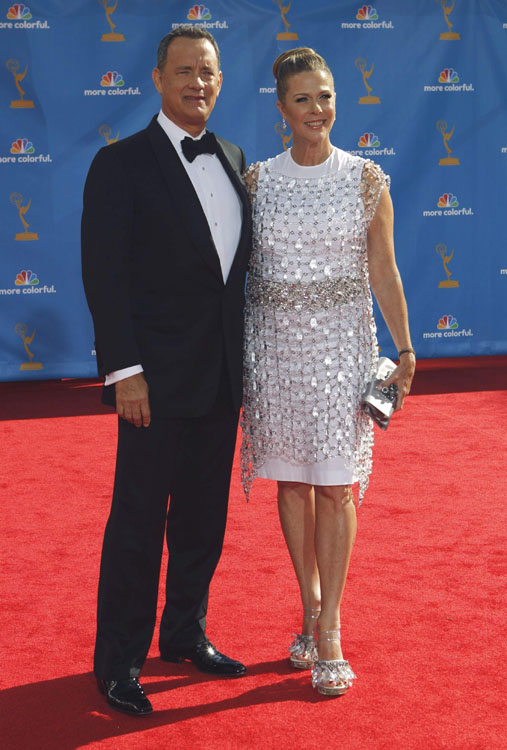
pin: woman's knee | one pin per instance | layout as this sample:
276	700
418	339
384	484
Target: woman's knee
283	485
339	495
289	489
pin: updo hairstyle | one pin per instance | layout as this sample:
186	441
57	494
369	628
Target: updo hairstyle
293	61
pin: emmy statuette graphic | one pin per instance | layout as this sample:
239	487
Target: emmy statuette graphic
113	36
446	259
448	9
447	161
281	129
17	200
360	64
286	36
105	131
21	103
21	329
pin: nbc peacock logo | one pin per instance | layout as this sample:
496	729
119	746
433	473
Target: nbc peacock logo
199	13
367	18
112	78
448	327
112	83
22	151
448	80
26	278
27	282
19	12
22	146
19	16
447	323
447	200
448	75
369	145
368	140
448	205
366	13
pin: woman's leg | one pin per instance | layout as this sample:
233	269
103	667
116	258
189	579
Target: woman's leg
296	506
335	531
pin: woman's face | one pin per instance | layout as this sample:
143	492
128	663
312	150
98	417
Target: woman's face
309	105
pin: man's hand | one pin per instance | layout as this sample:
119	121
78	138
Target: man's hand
132	400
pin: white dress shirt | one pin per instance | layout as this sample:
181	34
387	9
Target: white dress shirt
220	203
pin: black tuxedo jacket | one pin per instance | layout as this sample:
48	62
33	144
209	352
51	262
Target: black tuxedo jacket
152	274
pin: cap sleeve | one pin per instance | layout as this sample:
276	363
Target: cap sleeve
373	181
251	178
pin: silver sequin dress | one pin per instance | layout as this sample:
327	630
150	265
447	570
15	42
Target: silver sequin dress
310	336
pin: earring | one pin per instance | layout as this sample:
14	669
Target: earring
284	124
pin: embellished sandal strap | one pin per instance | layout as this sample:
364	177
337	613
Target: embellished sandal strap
337	671
329	634
311	613
303	638
303	647
332	662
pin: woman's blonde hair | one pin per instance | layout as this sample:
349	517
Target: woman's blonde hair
294	61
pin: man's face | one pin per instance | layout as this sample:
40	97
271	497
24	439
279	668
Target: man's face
189	83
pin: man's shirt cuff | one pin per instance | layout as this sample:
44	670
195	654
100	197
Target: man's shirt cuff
126	372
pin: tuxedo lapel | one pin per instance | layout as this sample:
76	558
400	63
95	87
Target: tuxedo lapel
232	171
185	198
235	177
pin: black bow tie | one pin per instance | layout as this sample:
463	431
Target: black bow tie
205	145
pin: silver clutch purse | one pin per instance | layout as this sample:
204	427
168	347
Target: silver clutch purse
379	403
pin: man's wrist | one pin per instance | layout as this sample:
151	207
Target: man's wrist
125	372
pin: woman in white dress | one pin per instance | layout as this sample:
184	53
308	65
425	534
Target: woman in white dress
323	235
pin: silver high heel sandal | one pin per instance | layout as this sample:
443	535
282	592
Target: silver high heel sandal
303	649
333	676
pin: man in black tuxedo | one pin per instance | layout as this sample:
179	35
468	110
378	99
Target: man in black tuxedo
165	239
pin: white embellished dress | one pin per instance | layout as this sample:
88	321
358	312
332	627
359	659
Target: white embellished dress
310	336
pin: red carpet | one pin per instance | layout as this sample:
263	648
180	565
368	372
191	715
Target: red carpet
424	612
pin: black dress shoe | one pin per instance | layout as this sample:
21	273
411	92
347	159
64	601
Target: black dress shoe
207	659
126	696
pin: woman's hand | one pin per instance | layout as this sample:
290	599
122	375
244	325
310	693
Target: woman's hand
402	376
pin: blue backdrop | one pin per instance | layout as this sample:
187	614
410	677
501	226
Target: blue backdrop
421	89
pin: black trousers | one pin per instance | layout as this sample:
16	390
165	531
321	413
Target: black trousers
189	460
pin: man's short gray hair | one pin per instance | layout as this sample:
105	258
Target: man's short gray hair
189	31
